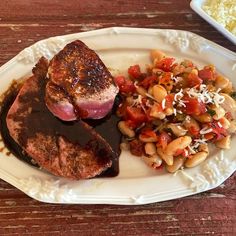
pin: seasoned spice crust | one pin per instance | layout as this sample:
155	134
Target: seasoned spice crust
80	85
77	68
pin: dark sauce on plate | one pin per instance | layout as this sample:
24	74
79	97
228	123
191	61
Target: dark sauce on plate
73	131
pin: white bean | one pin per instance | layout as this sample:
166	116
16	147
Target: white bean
178	163
194	71
190	123
156	113
203	148
159	93
224	143
196	159
125	129
169	111
228	89
221	82
229	105
177	129
219	113
154	161
168	159
150	91
178	143
204	118
150	148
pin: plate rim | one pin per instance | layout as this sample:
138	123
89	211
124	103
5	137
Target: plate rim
129	200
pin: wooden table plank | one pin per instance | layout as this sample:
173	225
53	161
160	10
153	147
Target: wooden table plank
24	22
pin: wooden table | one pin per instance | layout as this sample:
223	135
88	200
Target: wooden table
24	22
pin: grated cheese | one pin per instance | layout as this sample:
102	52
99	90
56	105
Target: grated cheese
178	95
177	100
201	141
163	104
191	149
205	96
198	142
177	79
206	130
136	84
137	101
223	11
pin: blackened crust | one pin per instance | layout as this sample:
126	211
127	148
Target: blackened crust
78	69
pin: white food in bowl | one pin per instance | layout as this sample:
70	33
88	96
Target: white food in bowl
223	11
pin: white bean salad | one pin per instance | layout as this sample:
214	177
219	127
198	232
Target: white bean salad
172	111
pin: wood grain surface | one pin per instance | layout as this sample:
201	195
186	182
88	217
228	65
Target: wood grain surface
24	22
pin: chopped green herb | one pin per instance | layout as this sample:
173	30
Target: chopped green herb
211	112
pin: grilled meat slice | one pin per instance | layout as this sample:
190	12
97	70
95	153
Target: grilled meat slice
80	86
69	149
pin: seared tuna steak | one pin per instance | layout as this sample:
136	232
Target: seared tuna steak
80	86
69	149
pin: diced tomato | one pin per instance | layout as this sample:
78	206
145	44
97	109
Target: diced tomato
165	78
132	124
135	114
148	81
193	106
207	73
163	140
121	110
185	153
193	80
166	81
209	136
169	100
135	71
125	85
148	133
165	64
194	131
218	130
182	152
179	152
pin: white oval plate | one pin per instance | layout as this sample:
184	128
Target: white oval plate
136	184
